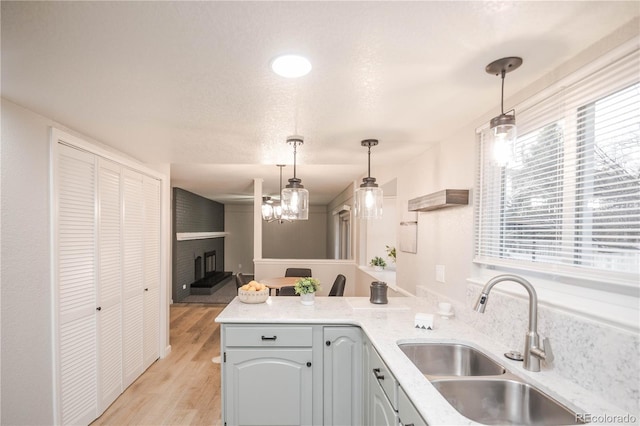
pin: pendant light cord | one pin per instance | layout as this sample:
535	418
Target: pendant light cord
502	93
295	145
369	162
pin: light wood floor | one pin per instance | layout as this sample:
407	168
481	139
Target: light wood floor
184	387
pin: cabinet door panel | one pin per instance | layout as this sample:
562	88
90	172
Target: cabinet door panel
407	413
382	413
342	376
268	387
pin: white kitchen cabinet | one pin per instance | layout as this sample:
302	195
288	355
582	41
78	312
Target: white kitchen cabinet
381	411
106	253
407	413
382	392
342	387
267	375
388	404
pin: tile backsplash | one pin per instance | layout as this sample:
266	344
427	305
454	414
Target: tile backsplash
598	357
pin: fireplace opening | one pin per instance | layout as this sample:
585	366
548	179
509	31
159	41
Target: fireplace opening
209	263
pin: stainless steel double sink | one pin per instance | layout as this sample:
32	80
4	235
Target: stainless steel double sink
482	390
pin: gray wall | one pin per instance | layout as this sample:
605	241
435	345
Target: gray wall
238	246
193	213
303	239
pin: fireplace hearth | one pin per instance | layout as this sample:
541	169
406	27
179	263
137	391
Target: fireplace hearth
206	282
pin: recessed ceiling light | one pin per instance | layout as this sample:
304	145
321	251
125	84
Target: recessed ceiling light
291	66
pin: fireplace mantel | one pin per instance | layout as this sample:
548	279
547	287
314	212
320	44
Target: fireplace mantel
185	236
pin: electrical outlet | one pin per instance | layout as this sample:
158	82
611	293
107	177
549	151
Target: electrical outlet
239	265
440	273
184	286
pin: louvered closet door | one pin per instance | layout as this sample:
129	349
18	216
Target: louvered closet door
133	227
75	295
109	283
151	350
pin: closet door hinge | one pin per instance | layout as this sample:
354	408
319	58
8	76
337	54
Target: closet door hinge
224	358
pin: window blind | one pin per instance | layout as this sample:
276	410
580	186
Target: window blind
568	202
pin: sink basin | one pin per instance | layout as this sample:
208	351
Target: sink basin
450	359
504	402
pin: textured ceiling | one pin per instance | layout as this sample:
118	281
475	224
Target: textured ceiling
189	83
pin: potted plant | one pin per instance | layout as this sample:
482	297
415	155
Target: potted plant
378	263
391	252
306	287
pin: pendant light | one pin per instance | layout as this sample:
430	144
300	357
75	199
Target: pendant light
368	203
267	209
294	198
504	125
271	208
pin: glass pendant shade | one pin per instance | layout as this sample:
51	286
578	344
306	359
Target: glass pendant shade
368	198
267	208
295	202
368	202
277	211
505	133
294	198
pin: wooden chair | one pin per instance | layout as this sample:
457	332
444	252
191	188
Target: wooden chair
337	289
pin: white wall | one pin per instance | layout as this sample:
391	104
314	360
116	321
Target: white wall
238	245
382	232
27	374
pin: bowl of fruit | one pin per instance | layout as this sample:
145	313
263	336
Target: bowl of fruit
254	292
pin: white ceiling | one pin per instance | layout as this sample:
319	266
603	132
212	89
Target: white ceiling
189	83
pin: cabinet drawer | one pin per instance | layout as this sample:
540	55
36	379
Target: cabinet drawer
267	336
379	372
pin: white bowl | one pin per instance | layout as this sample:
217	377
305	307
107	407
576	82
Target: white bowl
259	296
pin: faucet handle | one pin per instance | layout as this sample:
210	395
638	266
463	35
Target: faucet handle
544	353
548	352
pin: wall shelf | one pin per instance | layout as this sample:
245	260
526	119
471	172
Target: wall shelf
440	200
185	236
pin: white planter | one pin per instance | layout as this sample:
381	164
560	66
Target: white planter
307	298
377	268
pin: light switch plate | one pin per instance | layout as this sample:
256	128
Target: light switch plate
440	273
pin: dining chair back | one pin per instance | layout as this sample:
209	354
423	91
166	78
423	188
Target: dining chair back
298	272
240	280
337	289
287	291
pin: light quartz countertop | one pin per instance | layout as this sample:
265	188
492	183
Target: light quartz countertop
388	325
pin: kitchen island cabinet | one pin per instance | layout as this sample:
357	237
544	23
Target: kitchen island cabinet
409	397
267	375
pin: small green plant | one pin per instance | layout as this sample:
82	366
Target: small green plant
306	285
378	261
391	252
